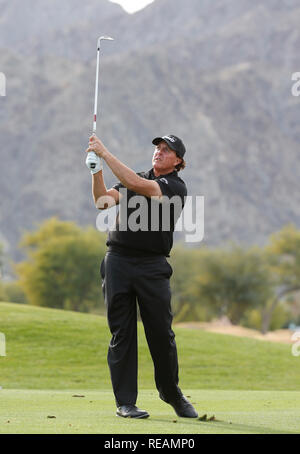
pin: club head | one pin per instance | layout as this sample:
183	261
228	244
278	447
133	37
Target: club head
103	37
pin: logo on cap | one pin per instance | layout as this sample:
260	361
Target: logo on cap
170	138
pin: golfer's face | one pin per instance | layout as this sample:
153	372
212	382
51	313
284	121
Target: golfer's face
164	157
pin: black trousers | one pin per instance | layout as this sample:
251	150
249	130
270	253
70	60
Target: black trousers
125	281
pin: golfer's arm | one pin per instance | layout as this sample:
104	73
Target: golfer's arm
103	198
130	179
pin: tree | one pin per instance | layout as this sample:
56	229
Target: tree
185	266
62	269
234	280
283	253
50	228
1	260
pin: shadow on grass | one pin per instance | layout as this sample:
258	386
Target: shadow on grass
224	426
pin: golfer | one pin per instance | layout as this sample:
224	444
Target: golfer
135	268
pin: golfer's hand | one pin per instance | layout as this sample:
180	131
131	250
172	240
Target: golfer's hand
97	146
94	163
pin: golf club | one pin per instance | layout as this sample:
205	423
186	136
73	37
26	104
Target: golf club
92	158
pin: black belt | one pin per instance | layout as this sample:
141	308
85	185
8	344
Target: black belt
133	252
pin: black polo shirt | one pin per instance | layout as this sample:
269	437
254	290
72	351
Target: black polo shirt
150	241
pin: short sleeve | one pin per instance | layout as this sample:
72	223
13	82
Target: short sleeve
172	187
117	186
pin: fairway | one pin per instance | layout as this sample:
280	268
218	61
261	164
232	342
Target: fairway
236	412
56	349
250	386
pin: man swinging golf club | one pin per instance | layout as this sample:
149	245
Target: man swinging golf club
135	268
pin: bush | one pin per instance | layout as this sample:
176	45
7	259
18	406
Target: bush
2	292
252	319
13	293
280	317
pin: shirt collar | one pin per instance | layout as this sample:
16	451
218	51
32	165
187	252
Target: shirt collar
151	173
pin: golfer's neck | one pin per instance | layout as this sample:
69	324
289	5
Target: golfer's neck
158	172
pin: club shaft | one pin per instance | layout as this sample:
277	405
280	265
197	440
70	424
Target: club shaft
97	80
96	90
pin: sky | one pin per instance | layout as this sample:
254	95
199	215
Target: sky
131	6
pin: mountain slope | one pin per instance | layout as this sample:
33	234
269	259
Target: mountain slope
218	75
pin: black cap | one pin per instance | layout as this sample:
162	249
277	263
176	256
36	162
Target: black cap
174	143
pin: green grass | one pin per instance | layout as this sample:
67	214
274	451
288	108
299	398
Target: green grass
236	412
55	349
249	385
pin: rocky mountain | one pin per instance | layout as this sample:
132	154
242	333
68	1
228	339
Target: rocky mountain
216	73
